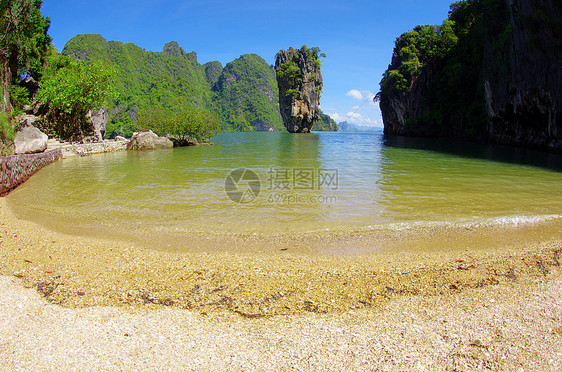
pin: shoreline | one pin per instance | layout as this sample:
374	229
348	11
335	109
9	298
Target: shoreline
260	276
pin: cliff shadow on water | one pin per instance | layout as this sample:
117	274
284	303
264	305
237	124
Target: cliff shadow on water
490	152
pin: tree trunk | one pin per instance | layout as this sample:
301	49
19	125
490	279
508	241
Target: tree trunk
6	75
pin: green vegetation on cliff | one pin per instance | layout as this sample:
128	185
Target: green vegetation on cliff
246	95
448	58
325	123
490	72
300	85
168	80
243	93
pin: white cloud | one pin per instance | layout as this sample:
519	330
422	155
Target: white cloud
354	93
364	113
362	95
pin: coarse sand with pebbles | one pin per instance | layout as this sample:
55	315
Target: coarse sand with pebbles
87	303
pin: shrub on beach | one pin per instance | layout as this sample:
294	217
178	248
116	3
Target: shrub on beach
186	123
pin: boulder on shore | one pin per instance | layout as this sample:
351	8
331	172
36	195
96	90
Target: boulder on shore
30	140
148	140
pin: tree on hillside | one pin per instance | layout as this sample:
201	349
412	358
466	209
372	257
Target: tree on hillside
23	42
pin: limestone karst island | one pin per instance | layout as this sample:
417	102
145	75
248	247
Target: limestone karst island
354	186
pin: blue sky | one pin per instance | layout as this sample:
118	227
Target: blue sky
357	36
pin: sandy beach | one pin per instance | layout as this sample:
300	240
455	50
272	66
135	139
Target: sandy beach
90	303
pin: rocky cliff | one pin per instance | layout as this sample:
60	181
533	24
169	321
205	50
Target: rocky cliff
491	72
300	85
247	95
524	91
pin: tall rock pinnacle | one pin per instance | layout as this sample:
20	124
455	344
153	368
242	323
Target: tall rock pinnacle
300	84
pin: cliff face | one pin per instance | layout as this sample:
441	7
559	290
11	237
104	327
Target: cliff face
524	94
499	79
300	85
247	94
398	105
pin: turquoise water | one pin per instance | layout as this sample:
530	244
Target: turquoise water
304	182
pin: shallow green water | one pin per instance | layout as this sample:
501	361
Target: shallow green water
319	181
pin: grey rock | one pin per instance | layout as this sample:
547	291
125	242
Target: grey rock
28	109
299	97
133	113
25	120
120	138
98	119
148	140
30	140
95	148
262	126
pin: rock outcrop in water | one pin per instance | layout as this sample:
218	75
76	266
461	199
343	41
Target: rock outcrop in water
148	140
300	84
492	72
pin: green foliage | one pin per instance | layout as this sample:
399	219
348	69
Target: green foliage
314	54
23	43
417	48
291	92
290	72
185	123
213	71
19	96
239	93
247	93
325	123
146	79
71	88
6	130
395	78
125	127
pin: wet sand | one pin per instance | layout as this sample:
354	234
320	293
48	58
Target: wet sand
326	282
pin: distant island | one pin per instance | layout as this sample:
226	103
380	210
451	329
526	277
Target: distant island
344	126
